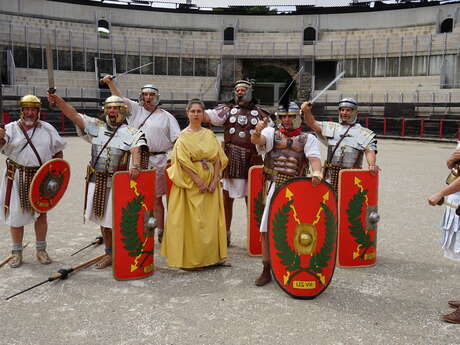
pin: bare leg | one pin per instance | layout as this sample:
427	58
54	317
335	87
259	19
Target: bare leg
41	227
228	206
106	261
17	234
160	216
265	276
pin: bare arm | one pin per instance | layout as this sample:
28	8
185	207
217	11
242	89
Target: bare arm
308	117
454	187
371	159
315	164
206	118
257	138
59	154
136	167
454	157
67	110
108	79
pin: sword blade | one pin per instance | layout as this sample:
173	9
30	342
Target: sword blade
327	87
131	70
50	66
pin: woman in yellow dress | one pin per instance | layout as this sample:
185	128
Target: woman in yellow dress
195	234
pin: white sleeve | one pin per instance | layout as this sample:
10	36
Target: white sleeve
268	133
174	129
133	107
311	148
214	118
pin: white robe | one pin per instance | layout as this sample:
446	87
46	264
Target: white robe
450	225
161	131
48	142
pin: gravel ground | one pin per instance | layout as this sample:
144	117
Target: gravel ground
398	301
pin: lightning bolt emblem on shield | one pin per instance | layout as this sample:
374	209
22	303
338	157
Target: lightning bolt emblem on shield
133	186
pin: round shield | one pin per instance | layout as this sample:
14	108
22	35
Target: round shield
49	184
302	233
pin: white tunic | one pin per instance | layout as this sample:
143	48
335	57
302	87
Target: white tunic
161	131
92	132
450	225
48	142
311	150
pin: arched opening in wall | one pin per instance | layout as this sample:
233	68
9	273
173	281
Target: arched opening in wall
447	25
103	28
309	35
271	81
229	36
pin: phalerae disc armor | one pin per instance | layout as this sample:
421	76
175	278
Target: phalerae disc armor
29	101
149	88
349	102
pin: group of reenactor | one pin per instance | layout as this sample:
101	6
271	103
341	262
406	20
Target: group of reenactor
135	136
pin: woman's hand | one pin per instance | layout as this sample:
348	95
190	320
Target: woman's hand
212	186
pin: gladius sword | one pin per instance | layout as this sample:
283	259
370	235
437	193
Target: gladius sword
50	67
341	74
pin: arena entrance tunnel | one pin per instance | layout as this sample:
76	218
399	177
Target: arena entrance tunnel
271	81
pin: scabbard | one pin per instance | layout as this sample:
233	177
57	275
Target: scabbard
9	187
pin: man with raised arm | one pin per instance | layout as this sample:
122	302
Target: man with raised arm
347	141
161	130
113	144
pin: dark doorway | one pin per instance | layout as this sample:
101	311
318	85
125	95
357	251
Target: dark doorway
104	67
229	36
324	73
447	25
271	82
103	28
309	35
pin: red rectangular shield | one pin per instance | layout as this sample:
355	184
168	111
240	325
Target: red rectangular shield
255	208
358	200
133	240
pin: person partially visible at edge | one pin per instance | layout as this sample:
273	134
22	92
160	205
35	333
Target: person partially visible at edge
288	153
450	223
161	130
239	118
195	234
113	144
347	141
24	158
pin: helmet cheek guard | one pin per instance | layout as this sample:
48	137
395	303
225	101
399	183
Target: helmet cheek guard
29	101
149	88
349	102
115	101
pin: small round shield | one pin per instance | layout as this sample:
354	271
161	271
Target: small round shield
302	233
49	184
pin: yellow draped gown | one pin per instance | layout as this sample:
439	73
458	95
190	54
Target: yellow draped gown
195	232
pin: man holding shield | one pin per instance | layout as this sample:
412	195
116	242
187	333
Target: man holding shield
28	143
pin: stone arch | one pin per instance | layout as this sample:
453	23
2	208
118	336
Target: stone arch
447	25
229	35
309	35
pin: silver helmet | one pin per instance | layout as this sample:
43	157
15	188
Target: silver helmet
292	110
247	97
115	101
349	102
149	88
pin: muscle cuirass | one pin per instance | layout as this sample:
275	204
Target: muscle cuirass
238	127
287	156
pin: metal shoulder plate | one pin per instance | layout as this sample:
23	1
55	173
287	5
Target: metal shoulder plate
328	128
366	137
